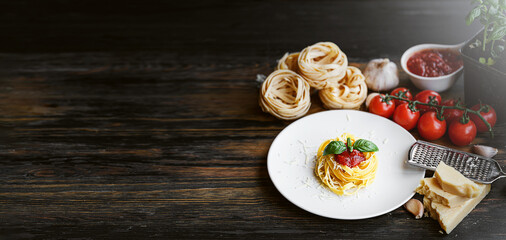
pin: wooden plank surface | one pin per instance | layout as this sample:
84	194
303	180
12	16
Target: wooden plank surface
141	120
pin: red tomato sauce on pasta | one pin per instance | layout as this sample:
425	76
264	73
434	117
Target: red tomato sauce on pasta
350	159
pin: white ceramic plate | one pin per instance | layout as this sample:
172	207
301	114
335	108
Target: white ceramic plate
292	155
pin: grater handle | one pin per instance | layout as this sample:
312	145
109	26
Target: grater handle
497	173
501	175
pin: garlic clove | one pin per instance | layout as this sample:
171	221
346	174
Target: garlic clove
381	75
369	98
415	207
485	151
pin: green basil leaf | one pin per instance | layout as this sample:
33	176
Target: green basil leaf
490	61
334	147
473	15
348	143
502	4
498	33
492	2
365	146
492	10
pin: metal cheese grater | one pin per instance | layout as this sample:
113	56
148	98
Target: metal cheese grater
475	167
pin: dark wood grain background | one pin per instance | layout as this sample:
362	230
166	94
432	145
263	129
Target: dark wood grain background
139	119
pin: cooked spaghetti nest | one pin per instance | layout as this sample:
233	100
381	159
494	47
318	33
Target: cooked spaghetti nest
342	179
285	95
350	93
322	64
289	62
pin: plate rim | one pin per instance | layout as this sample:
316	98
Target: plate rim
269	170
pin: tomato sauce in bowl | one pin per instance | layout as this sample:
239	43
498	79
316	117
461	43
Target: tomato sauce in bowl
434	62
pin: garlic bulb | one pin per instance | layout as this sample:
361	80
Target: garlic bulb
381	75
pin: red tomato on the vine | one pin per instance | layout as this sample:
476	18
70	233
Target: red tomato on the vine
379	107
405	117
430	127
489	114
462	134
425	96
451	114
399	91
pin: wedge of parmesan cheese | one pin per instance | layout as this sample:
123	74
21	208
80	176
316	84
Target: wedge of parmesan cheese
454	182
450	217
446	196
431	189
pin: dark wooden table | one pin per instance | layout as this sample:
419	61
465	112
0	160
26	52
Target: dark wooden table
139	119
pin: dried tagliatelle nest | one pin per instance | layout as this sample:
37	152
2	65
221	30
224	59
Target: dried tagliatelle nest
350	93
289	62
285	94
322	64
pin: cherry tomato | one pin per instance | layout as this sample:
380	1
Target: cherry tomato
452	114
489	115
462	134
398	91
377	106
431	128
425	96
406	117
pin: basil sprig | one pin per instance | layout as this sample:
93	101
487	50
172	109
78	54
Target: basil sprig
365	146
338	147
334	147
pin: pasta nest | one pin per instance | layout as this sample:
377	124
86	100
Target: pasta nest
285	94
350	93
322	64
289	62
342	179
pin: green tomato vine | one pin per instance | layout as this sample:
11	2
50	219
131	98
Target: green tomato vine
440	109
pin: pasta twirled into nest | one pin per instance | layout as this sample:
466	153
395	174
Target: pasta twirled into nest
289	62
342	179
285	95
350	93
322	64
